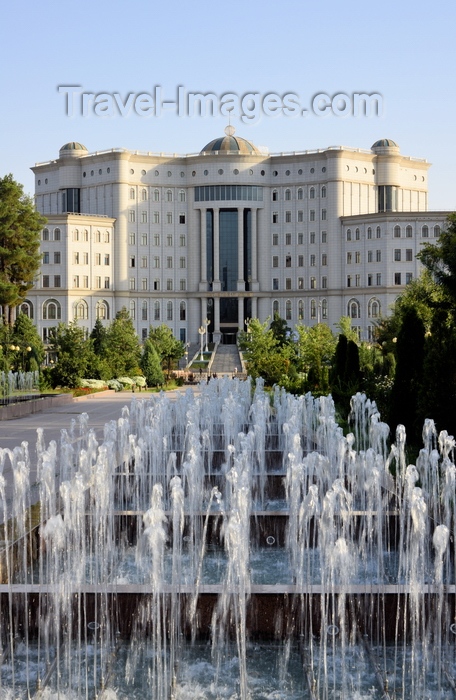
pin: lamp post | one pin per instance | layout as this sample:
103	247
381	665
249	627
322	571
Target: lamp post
201	331
206	323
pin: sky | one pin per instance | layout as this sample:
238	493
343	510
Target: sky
403	51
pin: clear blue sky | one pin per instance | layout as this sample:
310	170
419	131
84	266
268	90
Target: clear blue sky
403	50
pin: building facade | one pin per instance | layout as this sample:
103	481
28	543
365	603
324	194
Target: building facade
228	234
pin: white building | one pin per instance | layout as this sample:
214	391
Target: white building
229	233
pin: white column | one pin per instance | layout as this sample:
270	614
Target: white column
217	336
254	237
203	243
216	230
240	280
254	307
240	313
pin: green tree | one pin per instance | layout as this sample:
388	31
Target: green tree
151	365
315	349
280	330
25	336
169	349
440	259
72	352
99	365
20	226
122	346
263	354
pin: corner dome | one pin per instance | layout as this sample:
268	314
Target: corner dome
230	144
384	143
72	148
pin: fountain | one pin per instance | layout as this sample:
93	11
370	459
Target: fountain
230	545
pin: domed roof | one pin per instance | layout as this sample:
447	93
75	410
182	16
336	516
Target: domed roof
384	143
73	146
230	144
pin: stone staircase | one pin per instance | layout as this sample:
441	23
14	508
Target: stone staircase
227	361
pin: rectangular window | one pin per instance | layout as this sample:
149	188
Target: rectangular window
144	312
45	258
378	256
300	260
156	285
106	259
144	239
369	256
144	217
169	262
357	257
324	282
324	237
300	282
144	261
397	278
97	258
288	239
157	311
409	255
275	217
312	237
75	258
131	216
313	282
156	262
324	259
132	283
288	217
182	285
357	280
156	217
169	217
300	238
76	281
132	238
97	282
275	239
379	279
182	218
369	280
312	215
397	255
349	258
85	258
182	263
169	311
313	260
57	282
349	281
300	216
408	277
169	285
45	280
156	239
57	258
85	282
323	214
288	261
288	283
106	283
275	284
275	261
169	239
182	240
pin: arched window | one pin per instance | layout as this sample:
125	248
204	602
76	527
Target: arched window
378	232
102	310
169	310
132	192
98	237
75	235
275	307
275	195
312	193
144	310
182	311
27	308
397	232
169	195
81	310
56	234
374	309
106	237
156	195
156	310
425	232
45	235
288	310
369	233
323	191
353	309
409	232
181	195
144	195
324	309
52	310
300	310
287	195
357	235
436	231
132	309
349	234
300	193
313	308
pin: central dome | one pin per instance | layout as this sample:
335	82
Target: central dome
230	144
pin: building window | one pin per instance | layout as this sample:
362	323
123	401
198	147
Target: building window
52	310
369	280
275	284
144	195
300	216
75	258
181	195
106	282
156	286
46	281
300	238
323	191
275	307
85	258
156	217
313	282
397	278
156	262
357	234
156	239
300	310
288	283
349	258
324	309
323	214
288	310
324	282
275	195
408	277
76	281
409	232
324	259
182	263
144	310
169	285
182	285
57	282
349	234
369	256
369	233
275	261
144	284
45	258
56	234
300	282
85	282
275	217
354	310
312	193
436	231
45	234
313	309
397	255
106	259
288	217
300	193
357	257
409	255
132	261
144	217
378	256
275	239
132	284
182	218
300	260
182	240
379	279
169	195
132	193
169	262
349	284
397	232
288	261
373	310
102	310
288	239
378	232
144	261
132	309
182	311
156	310
98	237
169	217
132	216
97	282
287	195
312	215
156	195
132	238
357	280
169	239
169	311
